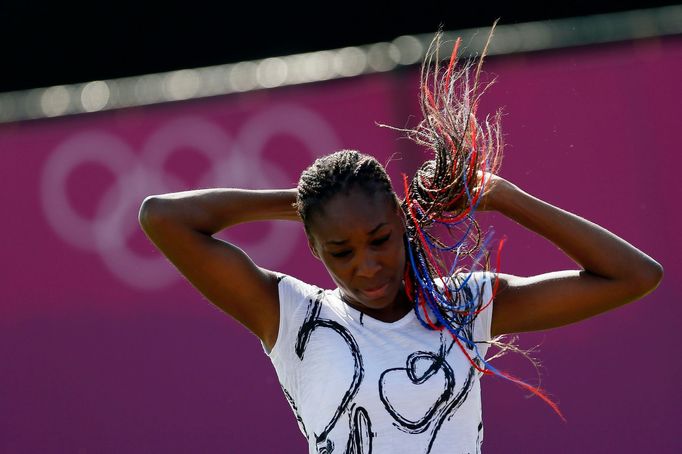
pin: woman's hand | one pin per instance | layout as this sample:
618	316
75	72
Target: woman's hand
613	272
491	186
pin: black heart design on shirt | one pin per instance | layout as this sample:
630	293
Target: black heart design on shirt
435	363
444	405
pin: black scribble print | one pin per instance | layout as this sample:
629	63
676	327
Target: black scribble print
362	314
279	278
360	437
437	364
457	402
293	406
478	438
446	403
311	323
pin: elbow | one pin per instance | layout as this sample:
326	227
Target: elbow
657	274
150	212
651	276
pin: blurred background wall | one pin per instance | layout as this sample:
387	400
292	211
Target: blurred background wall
104	347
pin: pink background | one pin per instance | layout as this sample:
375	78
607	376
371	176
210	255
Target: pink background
105	348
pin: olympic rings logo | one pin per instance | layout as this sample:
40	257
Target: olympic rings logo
237	162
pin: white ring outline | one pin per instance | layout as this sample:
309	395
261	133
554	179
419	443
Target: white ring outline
109	231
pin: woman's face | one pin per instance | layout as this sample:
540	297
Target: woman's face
359	238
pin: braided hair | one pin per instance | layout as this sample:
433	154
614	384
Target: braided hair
442	235
337	173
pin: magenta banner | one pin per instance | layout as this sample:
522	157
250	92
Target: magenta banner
105	348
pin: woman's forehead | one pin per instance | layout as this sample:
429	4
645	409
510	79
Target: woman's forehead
354	212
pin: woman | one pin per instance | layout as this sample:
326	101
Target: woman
390	360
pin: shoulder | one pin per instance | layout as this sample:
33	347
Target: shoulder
479	282
295	295
292	287
483	280
480	287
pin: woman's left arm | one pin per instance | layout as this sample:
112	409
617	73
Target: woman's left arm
614	272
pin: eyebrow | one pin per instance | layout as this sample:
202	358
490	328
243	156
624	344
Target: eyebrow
371	232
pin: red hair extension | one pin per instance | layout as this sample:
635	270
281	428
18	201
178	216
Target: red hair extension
453	60
421	234
533	389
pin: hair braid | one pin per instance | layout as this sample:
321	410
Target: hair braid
442	197
440	200
336	173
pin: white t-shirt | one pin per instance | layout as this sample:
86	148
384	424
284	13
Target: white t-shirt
360	385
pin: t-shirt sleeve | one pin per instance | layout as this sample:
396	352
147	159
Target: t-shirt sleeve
480	283
294	296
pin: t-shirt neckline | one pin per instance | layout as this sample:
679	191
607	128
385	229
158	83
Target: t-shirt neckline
368	320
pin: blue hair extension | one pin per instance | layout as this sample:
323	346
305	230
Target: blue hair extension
445	192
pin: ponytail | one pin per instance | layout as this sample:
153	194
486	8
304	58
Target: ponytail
444	241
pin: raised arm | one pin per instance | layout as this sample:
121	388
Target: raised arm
613	271
182	225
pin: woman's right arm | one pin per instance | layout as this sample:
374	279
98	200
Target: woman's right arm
182	225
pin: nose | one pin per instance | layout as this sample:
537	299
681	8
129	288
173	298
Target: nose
368	265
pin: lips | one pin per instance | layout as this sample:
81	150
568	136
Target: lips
375	292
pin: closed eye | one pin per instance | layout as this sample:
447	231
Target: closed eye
377	242
380	241
340	254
